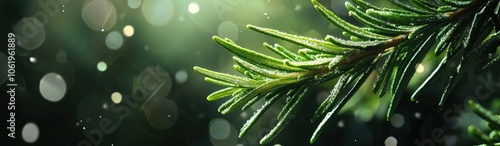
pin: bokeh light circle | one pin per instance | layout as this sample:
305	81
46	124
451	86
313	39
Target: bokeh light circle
193	8
418	115
397	120
99	15
116	97
222	133
391	141
219	129
30	132
32	31
158	12
134	4
340	124
53	87
102	66
32	59
114	40
228	29
181	76
128	30
161	113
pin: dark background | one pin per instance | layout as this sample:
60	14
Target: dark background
178	113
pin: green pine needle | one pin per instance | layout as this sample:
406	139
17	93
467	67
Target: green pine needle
462	30
494	121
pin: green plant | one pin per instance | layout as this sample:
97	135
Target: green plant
493	122
463	31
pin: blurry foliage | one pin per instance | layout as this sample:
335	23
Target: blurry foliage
462	33
493	123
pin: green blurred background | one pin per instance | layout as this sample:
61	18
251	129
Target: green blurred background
119	72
